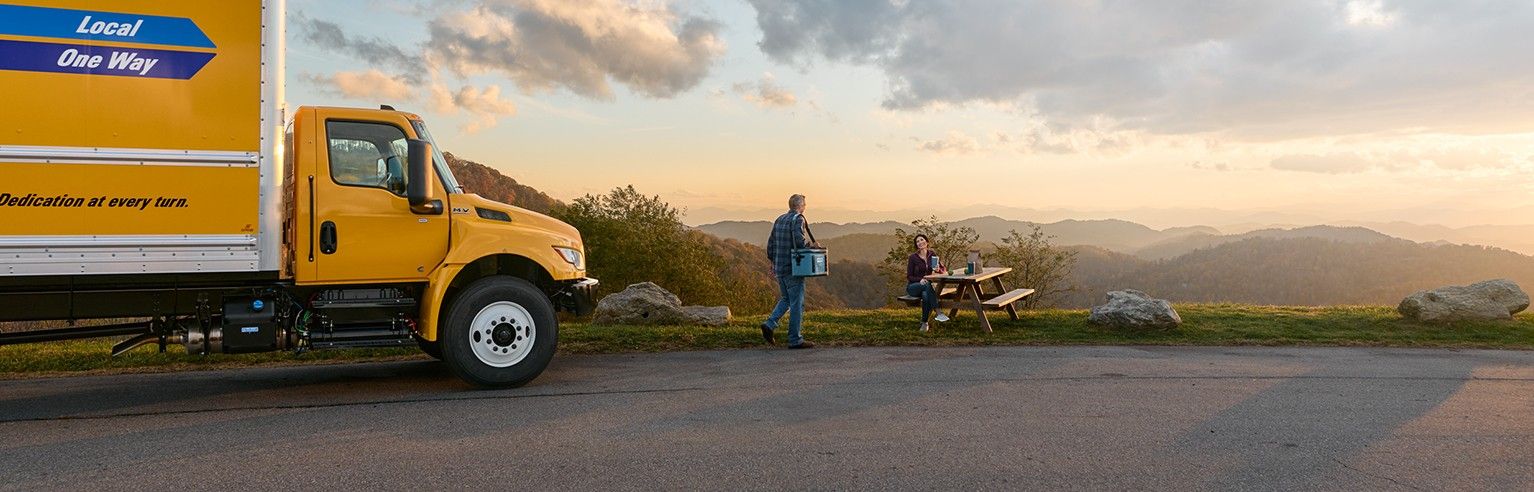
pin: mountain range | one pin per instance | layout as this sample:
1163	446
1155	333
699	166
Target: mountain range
1135	239
1229	221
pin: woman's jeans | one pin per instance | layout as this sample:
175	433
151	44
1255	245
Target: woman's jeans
790	301
928	297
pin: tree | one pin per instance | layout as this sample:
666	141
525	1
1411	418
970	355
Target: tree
1037	264
950	243
632	238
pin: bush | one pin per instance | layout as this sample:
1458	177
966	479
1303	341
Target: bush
1037	264
632	238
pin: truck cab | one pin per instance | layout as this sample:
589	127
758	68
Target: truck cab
373	202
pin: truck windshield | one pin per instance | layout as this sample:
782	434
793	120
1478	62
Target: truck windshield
448	180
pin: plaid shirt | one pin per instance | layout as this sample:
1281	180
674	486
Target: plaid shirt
787	235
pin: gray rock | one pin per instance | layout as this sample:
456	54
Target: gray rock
1482	301
640	304
649	304
1136	310
708	316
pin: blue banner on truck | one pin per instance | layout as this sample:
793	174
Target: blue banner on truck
100	60
20	20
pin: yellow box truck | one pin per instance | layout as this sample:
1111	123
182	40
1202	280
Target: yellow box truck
149	169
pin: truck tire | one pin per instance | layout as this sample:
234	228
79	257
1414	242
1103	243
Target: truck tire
500	332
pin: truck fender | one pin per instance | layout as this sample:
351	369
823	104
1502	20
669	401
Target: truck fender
431	300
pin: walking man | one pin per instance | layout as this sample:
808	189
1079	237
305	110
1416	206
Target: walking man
787	235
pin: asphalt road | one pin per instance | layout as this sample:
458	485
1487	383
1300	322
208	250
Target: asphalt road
880	418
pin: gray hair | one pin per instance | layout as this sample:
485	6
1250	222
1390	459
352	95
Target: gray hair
796	201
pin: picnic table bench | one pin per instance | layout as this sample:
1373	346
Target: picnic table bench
946	293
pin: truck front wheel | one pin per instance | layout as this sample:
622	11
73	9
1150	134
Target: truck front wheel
500	332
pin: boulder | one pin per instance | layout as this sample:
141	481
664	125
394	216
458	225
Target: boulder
649	304
1136	310
640	304
1482	301
708	316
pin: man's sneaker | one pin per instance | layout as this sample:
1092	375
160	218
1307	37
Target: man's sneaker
941	317
802	345
767	334
924	328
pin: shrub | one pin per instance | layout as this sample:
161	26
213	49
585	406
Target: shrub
632	238
1036	264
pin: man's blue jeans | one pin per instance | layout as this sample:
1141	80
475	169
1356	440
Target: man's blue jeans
791	301
928	297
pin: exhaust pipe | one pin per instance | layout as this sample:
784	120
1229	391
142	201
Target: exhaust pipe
136	342
194	341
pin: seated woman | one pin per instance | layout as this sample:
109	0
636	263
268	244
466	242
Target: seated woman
917	266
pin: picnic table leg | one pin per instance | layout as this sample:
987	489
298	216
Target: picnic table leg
974	295
958	298
1001	288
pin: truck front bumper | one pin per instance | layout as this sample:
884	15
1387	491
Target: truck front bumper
578	297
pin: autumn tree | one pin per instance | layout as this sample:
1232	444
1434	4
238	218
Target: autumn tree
1036	264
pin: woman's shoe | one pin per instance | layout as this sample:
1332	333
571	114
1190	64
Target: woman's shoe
941	317
924	328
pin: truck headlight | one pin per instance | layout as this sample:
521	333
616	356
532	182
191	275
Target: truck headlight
571	256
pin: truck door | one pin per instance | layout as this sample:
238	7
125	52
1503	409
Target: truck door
363	226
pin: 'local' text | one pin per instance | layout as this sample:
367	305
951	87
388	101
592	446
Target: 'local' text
123	29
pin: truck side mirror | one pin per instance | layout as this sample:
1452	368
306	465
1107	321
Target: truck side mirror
418	187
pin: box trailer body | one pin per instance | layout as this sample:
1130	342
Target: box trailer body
112	167
149	168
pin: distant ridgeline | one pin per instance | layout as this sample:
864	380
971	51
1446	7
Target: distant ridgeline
485	181
1319	265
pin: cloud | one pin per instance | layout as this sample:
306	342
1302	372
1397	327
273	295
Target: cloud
485	105
376	51
1210	166
1254	70
367	85
766	93
1096	137
1461	159
1477	156
1369	13
542	45
956	143
1339	163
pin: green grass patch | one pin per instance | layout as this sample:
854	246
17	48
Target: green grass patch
1204	324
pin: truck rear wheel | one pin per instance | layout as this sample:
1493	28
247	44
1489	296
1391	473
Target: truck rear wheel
500	332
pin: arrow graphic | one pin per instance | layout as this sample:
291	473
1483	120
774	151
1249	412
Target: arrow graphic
90	25
100	60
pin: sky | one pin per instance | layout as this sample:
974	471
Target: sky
1170	112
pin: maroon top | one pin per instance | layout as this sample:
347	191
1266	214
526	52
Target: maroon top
917	267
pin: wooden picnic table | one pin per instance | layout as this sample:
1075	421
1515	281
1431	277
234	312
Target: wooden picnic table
972	289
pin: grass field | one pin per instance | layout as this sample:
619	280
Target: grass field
1205	324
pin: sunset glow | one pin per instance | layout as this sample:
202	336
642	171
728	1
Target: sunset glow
1167	113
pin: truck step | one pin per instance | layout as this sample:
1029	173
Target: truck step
361	337
363	303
